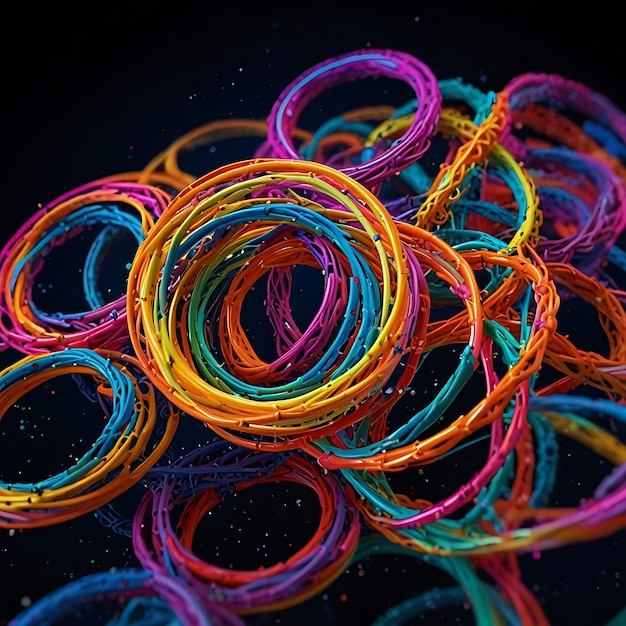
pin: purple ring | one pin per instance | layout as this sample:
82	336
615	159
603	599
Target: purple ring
399	154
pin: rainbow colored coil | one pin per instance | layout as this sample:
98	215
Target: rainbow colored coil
120	456
110	206
205	231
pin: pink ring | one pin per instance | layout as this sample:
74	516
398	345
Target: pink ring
407	149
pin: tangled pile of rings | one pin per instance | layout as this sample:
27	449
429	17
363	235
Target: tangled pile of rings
458	223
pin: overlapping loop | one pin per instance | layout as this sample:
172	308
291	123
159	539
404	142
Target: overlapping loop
168	516
218	230
132	440
376	166
102	210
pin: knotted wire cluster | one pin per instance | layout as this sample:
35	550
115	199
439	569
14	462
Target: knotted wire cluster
464	266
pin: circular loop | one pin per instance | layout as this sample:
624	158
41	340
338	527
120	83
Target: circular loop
114	207
119	457
134	594
195	485
215	227
283	117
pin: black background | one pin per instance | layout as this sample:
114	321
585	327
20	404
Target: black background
102	87
92	89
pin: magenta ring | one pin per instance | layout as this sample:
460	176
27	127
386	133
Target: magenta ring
399	154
